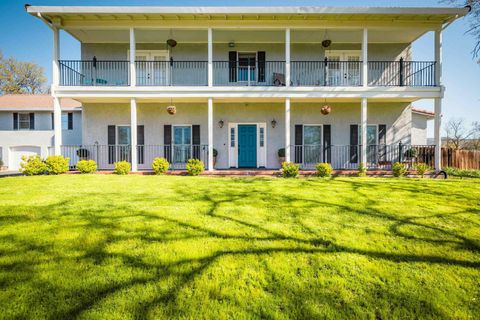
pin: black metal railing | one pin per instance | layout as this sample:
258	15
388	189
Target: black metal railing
94	73
172	73
259	73
349	156
106	155
326	73
235	73
401	73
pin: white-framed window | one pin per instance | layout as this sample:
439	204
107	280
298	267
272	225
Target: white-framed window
124	136
24	121
232	137
262	136
372	134
64	121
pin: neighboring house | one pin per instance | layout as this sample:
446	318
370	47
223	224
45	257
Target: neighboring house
247	81
420	119
26	126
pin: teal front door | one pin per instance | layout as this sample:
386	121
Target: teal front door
247	146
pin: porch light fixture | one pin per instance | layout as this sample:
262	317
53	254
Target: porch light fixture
171	42
231	44
273	123
171	109
221	123
326	109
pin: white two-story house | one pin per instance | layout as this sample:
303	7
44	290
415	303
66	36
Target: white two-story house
239	86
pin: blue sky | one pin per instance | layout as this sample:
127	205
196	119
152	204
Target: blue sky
26	38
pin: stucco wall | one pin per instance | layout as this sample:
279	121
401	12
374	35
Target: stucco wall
419	129
97	117
274	51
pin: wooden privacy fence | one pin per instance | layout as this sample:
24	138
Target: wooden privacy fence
461	159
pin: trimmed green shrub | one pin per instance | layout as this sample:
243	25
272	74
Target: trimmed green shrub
160	165
362	170
57	164
122	167
411	153
324	170
86	166
290	169
195	167
422	168
32	166
281	153
399	169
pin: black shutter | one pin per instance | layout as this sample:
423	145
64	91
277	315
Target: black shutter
382	141
261	65
232	66
298	149
140	144
53	121
327	143
111	144
196	141
353	143
15	121
167	141
70	121
32	121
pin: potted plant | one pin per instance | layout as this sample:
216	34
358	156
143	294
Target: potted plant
411	154
215	154
83	153
281	155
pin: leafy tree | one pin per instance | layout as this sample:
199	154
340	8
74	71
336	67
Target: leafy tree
18	77
474	18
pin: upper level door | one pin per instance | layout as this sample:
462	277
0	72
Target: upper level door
247	62
343	68
152	67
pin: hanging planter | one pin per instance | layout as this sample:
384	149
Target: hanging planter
326	109
171	110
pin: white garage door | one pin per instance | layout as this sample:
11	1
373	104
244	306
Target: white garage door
16	154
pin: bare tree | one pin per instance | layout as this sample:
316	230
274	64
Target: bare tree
475	143
20	77
474	20
457	133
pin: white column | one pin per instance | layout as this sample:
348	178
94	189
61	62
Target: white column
287	129
57	126
133	130
55	58
365	58
363	128
210	57
210	134
287	58
438	101
133	71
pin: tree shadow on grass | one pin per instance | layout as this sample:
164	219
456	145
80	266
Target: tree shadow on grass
184	271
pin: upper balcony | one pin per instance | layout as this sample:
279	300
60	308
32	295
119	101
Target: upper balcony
247	72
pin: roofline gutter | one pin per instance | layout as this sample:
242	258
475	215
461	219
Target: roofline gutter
46	21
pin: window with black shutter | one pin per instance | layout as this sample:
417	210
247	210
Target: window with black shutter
141	144
70	121
298	149
232	66
196	141
354	143
327	143
111	144
167	142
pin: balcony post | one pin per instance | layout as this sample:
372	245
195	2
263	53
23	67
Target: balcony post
438	101
287	60
57	126
363	128
133	71
287	129
133	133
210	134
210	57
55	58
365	58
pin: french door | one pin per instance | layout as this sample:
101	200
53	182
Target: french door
247	63
343	68
182	144
152	68
312	144
372	142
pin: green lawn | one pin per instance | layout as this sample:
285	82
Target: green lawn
104	246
